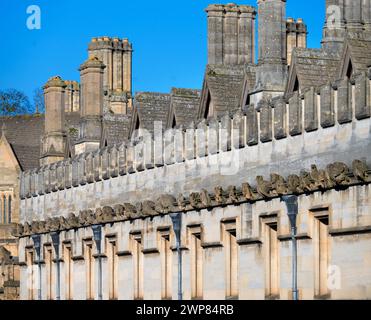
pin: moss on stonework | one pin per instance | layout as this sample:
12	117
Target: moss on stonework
211	73
73	131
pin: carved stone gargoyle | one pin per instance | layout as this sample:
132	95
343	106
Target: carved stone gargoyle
149	208
52	224
63	223
139	207
320	178
248	192
27	229
294	184
130	211
232	195
38	227
87	217
205	198
338	173
265	188
182	202
105	214
307	183
195	200
119	211
73	221
279	184
360	171
166	204
220	195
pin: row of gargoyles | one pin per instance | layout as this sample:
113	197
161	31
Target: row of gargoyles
335	175
165	204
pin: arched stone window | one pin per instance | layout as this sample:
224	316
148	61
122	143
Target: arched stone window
6	209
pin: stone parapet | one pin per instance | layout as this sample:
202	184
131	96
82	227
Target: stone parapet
325	112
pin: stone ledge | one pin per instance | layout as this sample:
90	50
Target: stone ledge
336	176
211	245
252	241
150	251
124	253
349	231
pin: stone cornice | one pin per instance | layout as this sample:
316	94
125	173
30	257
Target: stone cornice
335	176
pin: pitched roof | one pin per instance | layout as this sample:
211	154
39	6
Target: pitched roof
223	85
358	51
148	108
183	107
312	68
24	134
248	84
117	128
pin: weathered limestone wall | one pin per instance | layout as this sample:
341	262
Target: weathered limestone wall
349	246
320	127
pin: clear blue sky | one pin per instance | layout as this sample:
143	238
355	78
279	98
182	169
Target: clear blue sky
169	38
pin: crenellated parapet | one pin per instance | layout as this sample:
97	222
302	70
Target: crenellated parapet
322	108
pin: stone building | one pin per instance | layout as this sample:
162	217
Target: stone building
97	204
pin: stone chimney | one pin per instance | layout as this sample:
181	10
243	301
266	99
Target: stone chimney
246	35
353	16
231	34
345	18
72	96
116	55
102	48
296	36
215	21
127	63
302	33
91	111
334	30
291	38
55	137
272	68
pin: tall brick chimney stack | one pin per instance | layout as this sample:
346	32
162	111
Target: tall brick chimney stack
55	137
92	77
